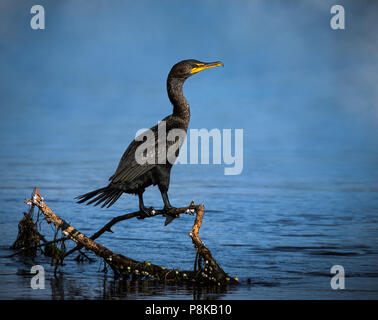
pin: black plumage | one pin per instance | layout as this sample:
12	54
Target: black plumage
131	176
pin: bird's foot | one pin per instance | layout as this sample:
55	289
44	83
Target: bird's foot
169	209
169	214
146	212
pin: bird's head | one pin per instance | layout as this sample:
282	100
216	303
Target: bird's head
186	68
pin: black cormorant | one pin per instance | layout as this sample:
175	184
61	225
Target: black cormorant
133	177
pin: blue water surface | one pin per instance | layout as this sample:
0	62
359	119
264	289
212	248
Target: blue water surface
72	97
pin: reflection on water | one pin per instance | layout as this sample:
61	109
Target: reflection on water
102	285
148	289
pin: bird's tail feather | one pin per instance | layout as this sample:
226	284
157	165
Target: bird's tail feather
108	195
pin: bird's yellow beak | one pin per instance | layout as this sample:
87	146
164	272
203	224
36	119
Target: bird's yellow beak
203	66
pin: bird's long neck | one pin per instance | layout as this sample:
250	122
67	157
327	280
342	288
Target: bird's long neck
176	96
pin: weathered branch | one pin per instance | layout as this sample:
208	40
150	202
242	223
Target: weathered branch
175	212
127	267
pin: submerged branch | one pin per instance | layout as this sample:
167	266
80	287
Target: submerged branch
44	244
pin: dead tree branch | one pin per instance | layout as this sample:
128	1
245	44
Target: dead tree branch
175	212
210	273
